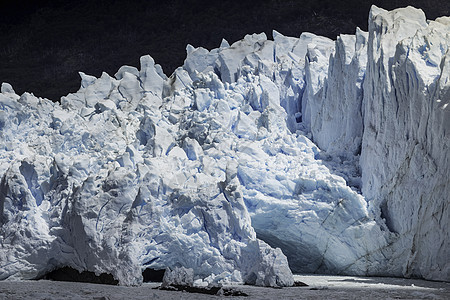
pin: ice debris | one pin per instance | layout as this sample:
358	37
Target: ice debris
178	276
213	168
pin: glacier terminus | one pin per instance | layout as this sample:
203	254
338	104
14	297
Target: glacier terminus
251	162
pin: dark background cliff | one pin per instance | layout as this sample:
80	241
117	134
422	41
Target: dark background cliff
43	44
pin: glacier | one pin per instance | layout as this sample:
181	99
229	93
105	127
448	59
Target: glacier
251	161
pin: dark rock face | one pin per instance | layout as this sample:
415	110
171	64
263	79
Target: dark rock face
213	290
70	274
299	283
152	275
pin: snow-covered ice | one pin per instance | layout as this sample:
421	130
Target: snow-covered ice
249	161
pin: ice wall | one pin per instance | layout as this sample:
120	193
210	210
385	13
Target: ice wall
338	127
144	171
115	180
405	158
385	97
213	169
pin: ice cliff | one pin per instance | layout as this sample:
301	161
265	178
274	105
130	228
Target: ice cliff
405	157
386	97
216	167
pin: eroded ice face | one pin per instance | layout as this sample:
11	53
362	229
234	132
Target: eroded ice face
198	169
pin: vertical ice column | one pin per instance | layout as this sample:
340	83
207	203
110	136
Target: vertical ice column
339	126
405	150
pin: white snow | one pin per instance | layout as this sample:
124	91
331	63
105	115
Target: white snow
214	168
